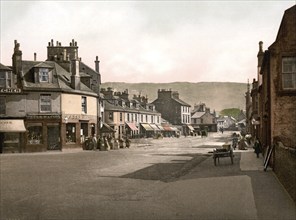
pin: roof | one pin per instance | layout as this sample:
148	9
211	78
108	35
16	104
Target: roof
2	67
197	115
61	78
287	27
181	102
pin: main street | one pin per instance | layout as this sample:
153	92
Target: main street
170	178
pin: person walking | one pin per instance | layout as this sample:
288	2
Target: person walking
257	147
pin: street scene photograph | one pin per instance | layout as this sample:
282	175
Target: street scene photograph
148	110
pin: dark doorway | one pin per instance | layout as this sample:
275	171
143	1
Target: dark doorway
53	138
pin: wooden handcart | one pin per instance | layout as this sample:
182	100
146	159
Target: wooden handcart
226	151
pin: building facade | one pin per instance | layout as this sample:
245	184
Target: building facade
56	99
203	119
277	101
130	117
174	110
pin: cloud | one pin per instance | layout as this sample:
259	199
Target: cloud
148	41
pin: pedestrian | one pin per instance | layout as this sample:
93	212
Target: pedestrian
257	147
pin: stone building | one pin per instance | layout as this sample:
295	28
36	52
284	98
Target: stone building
133	117
56	99
277	101
203	119
173	109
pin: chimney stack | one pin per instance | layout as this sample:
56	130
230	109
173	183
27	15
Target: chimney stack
97	65
35	56
75	76
17	61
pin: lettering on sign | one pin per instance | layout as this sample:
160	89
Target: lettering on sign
43	116
10	90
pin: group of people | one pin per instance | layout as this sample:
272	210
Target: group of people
105	143
243	142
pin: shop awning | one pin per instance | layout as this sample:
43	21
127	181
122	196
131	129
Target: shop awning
174	129
190	127
154	126
160	127
167	128
147	127
12	125
106	129
132	126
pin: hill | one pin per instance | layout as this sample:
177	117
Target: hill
216	95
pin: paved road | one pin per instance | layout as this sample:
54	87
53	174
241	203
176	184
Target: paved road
172	178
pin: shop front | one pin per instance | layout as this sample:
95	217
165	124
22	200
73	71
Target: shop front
11	135
43	133
76	129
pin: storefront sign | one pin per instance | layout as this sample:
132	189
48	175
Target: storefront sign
43	117
10	90
12	125
78	117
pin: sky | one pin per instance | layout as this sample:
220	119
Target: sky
148	41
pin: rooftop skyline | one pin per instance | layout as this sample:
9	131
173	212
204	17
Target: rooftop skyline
148	41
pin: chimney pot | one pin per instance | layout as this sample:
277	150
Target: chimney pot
35	56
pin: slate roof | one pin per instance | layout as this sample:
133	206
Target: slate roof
61	78
2	67
197	115
181	102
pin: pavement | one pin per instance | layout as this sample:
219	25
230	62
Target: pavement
240	191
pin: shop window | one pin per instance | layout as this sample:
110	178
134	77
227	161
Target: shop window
2	105
70	133
35	134
45	103
289	73
83	105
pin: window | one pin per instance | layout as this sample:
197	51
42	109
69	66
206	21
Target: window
5	79
120	116
45	103
2	105
289	72
70	133
43	75
128	117
35	133
83	105
111	116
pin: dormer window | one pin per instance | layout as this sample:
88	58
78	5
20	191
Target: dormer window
43	75
5	79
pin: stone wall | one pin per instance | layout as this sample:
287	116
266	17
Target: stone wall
285	167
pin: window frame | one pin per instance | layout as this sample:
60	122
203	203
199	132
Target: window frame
285	73
43	104
42	76
2	105
84	104
7	80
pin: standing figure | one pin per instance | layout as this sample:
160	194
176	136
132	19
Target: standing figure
257	147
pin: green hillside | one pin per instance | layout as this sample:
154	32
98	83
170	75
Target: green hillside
216	95
234	112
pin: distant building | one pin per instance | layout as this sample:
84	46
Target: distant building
130	117
203	119
174	110
227	123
